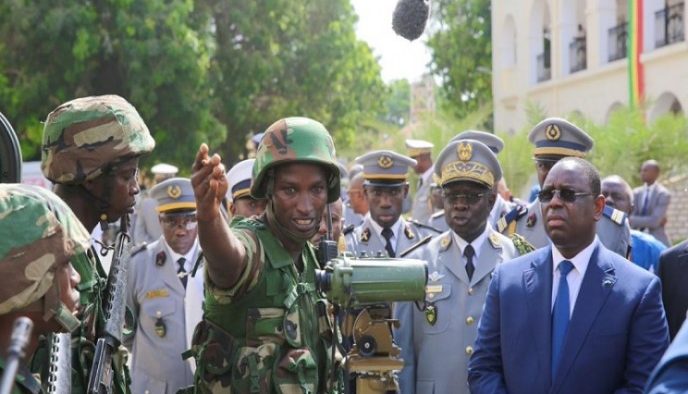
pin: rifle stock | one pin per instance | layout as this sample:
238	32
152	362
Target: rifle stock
114	306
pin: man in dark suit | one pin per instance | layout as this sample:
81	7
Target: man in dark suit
651	203
673	272
572	317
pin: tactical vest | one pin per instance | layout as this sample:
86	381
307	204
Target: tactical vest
273	339
91	288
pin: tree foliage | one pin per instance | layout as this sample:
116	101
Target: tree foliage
197	70
461	46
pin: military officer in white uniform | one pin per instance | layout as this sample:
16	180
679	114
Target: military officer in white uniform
240	203
501	206
421	152
384	231
166	299
437	342
554	139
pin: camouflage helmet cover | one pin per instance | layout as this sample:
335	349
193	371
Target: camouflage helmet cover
295	139
38	232
82	137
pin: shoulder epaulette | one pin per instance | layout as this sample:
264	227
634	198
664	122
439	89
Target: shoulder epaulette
138	248
516	213
348	229
425	226
615	215
437	214
415	246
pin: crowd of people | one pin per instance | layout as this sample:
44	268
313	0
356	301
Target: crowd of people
572	292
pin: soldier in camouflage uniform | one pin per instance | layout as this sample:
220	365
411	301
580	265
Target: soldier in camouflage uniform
265	329
39	236
91	149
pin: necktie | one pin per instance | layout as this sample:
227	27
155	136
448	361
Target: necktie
469	252
388	234
181	272
560	315
646	199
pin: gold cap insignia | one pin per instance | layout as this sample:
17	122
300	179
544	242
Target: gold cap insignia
174	191
552	132
385	161
465	151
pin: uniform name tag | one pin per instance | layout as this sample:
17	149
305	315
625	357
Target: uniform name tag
158	293
433	289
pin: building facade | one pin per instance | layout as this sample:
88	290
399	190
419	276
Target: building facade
569	56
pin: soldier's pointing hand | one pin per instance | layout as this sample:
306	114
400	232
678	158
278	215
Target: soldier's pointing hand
209	183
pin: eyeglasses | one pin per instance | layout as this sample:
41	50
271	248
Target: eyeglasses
188	222
565	195
470	198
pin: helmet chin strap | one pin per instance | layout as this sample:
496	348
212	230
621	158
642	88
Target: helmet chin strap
103	204
274	222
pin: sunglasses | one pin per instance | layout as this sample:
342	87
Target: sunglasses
565	195
469	198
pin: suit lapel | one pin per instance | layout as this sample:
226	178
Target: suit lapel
488	260
452	258
537	282
597	284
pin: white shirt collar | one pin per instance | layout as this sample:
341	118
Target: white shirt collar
378	229
579	261
189	256
477	242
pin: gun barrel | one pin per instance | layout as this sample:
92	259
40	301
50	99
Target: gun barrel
21	334
100	378
60	369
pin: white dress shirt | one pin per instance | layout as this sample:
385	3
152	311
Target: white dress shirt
396	229
575	277
477	243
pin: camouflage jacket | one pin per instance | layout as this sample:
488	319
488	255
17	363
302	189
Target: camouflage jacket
267	334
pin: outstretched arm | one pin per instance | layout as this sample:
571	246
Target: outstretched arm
224	253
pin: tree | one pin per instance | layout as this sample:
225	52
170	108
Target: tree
154	53
461	47
398	104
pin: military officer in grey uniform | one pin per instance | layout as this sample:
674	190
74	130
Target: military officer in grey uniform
165	297
356	206
421	152
501	206
436	343
554	139
384	231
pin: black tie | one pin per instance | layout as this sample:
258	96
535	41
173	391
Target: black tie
181	272
388	234
469	252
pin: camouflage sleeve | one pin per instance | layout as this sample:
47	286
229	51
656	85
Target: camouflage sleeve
254	260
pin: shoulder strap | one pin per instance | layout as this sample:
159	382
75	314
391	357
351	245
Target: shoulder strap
614	215
516	213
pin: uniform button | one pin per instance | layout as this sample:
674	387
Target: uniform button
147	392
431	295
470	291
469	350
470	320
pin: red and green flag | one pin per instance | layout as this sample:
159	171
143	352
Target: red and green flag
636	77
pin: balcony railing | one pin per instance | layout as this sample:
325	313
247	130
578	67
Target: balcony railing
544	70
618	39
577	54
669	25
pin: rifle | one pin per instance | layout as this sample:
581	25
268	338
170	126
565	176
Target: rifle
114	306
21	335
59	379
10	154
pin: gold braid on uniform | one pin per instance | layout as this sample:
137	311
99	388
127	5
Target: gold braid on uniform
521	244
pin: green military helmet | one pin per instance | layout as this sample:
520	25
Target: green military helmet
38	231
295	139
83	137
